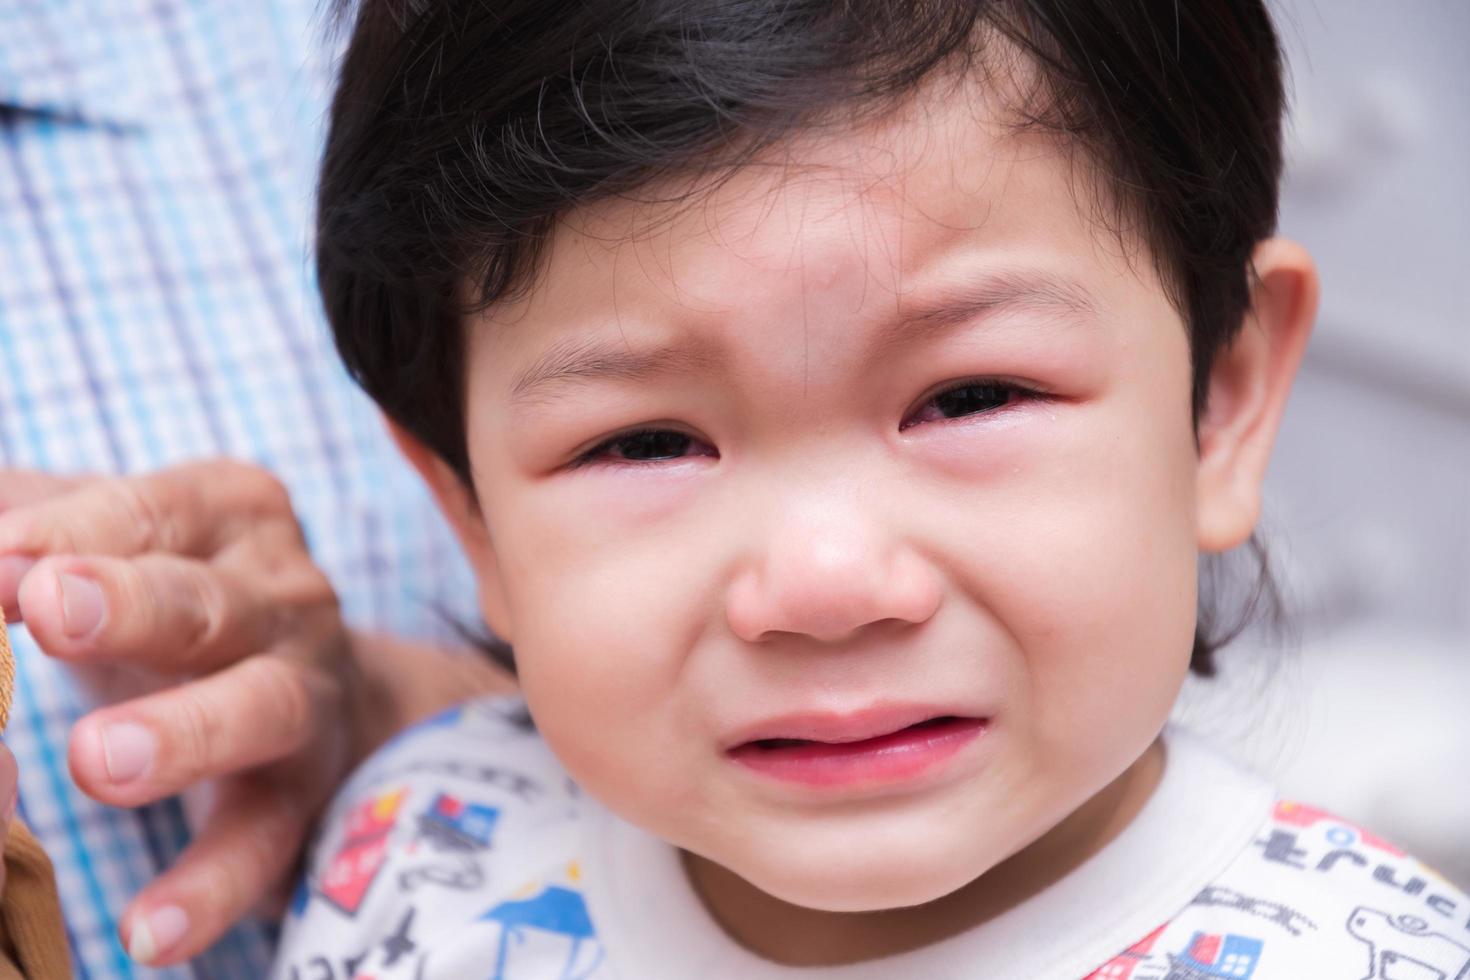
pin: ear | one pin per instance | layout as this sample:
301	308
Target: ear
457	502
1248	388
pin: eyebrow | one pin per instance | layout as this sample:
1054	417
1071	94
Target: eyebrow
587	359
1002	291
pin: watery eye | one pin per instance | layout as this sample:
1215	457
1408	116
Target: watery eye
647	446
970	398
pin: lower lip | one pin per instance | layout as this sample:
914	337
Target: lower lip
891	758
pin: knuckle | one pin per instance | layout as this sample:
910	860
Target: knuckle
285	698
136	507
235	878
132	601
263	838
206	612
279	545
266	491
195	736
263	518
295	581
315	589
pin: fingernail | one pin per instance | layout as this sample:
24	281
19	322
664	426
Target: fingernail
157	931
13	568
81	605
127	751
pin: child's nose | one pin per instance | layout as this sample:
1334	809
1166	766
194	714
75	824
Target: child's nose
827	570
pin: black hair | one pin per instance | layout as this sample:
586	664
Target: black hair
463	130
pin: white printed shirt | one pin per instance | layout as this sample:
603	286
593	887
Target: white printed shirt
463	850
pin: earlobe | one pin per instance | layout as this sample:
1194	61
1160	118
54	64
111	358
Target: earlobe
458	505
1248	389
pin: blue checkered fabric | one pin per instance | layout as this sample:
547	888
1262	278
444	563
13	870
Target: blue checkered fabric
156	305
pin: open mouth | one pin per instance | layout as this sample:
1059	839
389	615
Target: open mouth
875	743
888	757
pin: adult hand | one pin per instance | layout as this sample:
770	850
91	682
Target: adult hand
198	579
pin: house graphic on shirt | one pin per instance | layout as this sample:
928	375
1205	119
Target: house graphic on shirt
1216	957
452	824
555	914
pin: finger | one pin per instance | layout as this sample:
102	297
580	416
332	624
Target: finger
13	570
246	847
258	711
187	510
21	487
174	614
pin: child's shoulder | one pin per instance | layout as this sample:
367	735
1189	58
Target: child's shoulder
459	826
1311	896
490	740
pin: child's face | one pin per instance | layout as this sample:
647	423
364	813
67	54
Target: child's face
923	449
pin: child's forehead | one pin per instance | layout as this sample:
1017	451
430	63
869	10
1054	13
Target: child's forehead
929	161
861	221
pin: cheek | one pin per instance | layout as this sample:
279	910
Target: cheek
602	625
1086	558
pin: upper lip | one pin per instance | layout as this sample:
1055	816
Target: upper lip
843	726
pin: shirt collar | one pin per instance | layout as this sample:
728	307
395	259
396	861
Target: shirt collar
88	61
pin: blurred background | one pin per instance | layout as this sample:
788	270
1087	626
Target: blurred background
1365	710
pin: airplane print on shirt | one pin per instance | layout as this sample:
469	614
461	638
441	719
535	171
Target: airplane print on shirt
409	865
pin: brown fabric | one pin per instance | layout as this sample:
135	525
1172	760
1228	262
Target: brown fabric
7	674
32	935
31	931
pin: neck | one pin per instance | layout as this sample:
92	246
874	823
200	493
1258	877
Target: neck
797	936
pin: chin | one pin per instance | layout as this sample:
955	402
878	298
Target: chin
862	879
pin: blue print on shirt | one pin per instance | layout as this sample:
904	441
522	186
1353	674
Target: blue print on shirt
555	910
